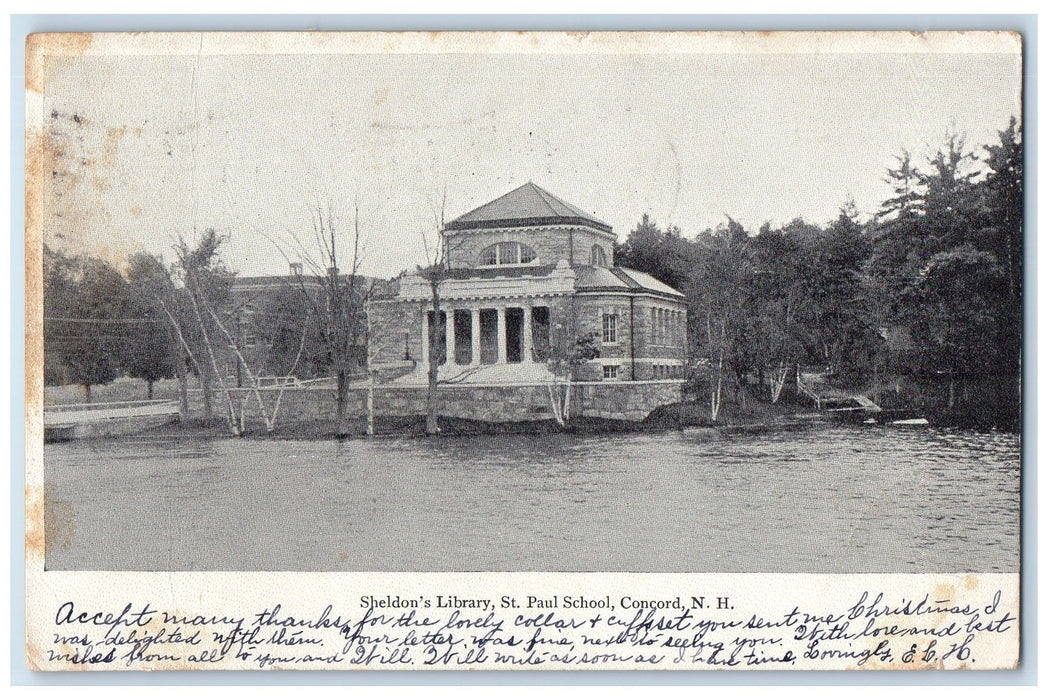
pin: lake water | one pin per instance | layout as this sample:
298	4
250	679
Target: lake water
824	500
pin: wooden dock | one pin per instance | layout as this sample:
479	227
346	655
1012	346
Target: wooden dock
835	401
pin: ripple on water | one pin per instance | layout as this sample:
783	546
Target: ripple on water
832	500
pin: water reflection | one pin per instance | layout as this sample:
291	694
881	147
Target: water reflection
827	500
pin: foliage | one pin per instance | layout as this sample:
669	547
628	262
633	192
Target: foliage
150	355
954	322
86	311
931	285
295	344
565	360
206	283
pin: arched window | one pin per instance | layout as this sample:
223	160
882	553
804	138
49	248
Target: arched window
598	257
508	253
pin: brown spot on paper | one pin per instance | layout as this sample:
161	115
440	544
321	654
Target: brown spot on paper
41	47
33	655
59	522
944	591
111	145
34	525
36	149
69	171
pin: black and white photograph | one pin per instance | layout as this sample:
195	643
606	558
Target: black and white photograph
696	308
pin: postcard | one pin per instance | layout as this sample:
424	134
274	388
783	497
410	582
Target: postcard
524	350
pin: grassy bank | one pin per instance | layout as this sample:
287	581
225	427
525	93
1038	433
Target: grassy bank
990	404
733	416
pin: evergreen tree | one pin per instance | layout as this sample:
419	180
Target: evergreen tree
1004	193
844	325
897	234
951	199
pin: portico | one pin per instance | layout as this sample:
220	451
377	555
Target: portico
470	334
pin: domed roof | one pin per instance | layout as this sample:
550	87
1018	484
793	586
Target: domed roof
528	205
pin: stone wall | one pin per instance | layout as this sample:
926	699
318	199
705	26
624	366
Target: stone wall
667	352
395	331
551	244
669	342
589	312
631	401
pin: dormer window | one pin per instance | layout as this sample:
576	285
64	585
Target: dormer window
509	253
598	257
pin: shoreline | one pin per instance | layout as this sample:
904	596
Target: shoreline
749	416
414	427
754	418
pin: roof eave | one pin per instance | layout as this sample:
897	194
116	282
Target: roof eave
631	291
459	225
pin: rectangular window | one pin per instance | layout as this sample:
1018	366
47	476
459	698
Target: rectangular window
653	321
609	328
611	371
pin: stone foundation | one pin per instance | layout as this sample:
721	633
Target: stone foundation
503	403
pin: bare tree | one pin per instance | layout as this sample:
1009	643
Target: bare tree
369	366
435	272
152	281
724	273
206	282
567	353
339	308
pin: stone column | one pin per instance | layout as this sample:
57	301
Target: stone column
526	335
501	311
475	337
449	336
